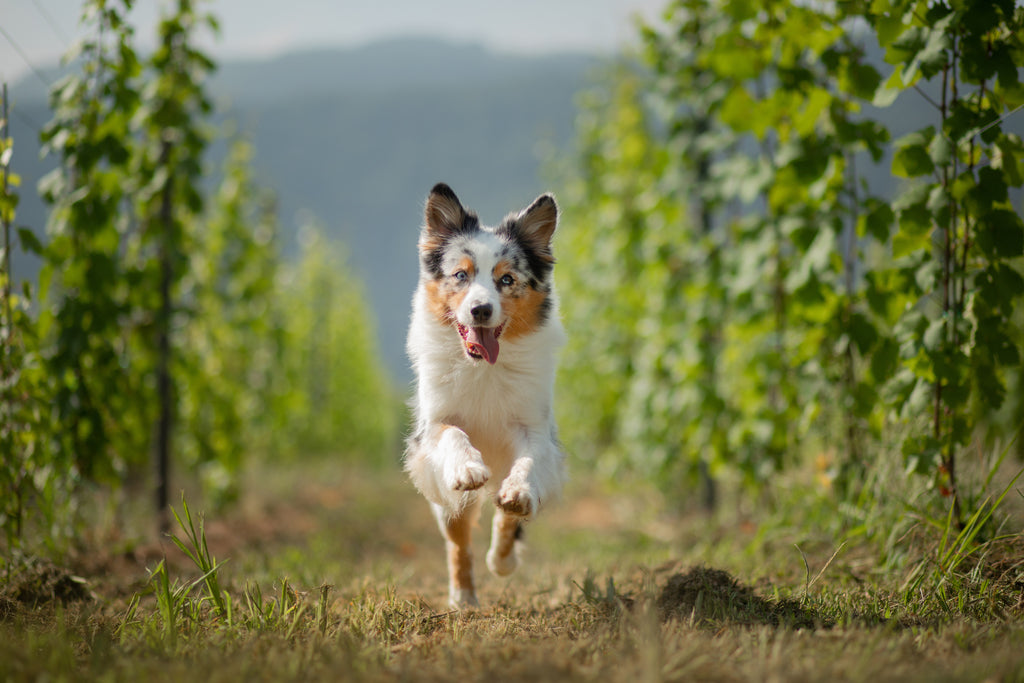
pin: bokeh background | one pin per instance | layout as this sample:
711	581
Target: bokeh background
790	240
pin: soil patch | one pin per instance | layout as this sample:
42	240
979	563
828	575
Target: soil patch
38	582
707	596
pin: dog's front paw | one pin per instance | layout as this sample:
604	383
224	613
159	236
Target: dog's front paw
462	598
469	477
516	499
464	468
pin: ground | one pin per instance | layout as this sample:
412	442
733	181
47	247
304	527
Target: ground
334	572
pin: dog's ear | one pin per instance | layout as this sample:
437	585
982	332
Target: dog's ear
444	217
536	223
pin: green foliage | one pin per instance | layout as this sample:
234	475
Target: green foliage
196	549
125	206
744	240
25	389
230	348
88	317
333	395
164	306
958	233
611	200
740	294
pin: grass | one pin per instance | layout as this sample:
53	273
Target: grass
333	573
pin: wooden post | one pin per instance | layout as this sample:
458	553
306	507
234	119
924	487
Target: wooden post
164	388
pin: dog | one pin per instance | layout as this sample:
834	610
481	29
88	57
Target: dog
483	341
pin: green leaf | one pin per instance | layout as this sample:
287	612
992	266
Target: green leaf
934	56
920	398
864	79
991	388
889	25
914	195
992	339
1006	279
922	453
962	186
934	337
1008	158
885	359
912	156
877	222
29	241
912	161
906	44
974	58
914	233
990	190
940	150
1011	94
862	332
1000	234
980	18
926	275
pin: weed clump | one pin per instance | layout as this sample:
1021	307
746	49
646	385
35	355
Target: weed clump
711	596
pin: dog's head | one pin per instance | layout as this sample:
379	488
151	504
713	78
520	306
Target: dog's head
486	282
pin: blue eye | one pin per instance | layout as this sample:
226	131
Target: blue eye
507	280
461	276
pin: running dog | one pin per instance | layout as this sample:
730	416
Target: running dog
483	340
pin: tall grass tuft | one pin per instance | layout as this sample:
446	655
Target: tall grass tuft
198	551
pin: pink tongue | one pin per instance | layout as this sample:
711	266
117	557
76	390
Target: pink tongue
481	341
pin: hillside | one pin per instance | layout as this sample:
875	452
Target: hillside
355	138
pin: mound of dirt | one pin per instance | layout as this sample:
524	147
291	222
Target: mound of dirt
706	596
37	583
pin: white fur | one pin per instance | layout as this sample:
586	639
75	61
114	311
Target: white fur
506	410
483	290
483	431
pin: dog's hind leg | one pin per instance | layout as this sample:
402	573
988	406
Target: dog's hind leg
458	531
506	531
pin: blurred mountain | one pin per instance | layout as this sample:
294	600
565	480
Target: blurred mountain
353	139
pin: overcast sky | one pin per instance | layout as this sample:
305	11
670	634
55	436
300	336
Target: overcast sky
42	29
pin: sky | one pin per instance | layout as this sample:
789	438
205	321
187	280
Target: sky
35	33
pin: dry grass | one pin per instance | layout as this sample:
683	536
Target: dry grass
339	576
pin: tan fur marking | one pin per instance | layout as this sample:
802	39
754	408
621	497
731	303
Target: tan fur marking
501	269
430	241
504	534
466	264
523	312
443	298
437	301
460	561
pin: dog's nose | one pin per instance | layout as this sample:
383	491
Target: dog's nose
482	312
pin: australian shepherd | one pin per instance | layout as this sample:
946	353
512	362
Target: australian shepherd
483	340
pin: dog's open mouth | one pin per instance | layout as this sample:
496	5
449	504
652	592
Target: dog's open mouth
481	342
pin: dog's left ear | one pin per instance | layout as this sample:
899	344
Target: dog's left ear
536	223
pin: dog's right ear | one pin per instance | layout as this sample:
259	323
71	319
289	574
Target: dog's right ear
444	217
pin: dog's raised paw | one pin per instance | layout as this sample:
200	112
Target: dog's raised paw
470	476
516	500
